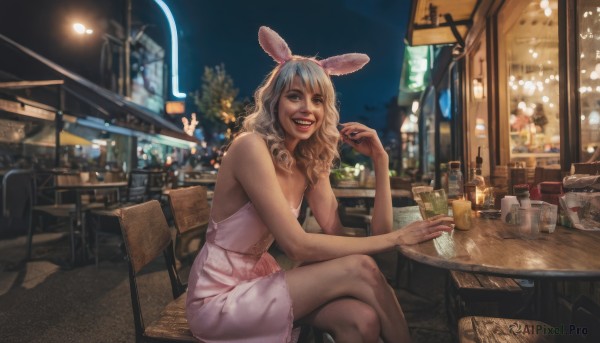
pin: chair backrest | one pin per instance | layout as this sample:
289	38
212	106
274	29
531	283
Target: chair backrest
16	202
146	235
591	168
547	174
157	181
190	208
137	187
114	176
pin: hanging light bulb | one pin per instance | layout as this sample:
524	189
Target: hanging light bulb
478	90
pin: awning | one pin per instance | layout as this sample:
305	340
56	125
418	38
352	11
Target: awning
440	21
46	137
108	104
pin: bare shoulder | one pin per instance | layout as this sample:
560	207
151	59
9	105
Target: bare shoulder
248	143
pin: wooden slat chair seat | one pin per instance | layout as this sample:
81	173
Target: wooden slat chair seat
146	235
481	283
467	291
489	329
172	324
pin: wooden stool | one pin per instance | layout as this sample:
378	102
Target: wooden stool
490	329
471	288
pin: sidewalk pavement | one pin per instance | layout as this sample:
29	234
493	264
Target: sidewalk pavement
42	302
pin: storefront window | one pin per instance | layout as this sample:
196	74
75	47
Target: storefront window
410	139
530	111
427	132
477	120
588	18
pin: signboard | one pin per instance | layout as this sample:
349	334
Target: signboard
147	80
175	107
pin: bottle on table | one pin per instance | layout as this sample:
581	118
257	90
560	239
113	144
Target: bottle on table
455	181
522	194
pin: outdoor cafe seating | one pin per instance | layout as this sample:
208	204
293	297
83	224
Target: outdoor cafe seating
16	200
142	185
190	210
146	235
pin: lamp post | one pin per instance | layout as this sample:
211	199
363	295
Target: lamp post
106	59
127	48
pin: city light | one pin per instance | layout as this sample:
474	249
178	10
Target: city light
174	49
80	29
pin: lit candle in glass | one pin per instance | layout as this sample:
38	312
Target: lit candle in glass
461	211
479	197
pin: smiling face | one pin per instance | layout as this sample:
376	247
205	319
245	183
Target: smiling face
300	112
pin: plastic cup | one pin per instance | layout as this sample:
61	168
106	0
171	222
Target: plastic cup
528	222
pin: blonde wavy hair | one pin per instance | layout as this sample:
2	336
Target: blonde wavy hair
316	154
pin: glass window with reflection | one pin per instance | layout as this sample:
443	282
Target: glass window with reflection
588	18
530	109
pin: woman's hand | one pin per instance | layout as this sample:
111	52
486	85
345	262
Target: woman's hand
363	139
424	230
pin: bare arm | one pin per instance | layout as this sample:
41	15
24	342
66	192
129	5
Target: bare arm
253	163
324	206
371	146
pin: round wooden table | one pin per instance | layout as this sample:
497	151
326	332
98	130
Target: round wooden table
489	247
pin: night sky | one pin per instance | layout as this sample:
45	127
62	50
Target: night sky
225	31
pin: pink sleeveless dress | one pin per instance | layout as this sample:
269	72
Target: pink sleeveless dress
236	290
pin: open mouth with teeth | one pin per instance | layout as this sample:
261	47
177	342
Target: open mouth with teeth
303	123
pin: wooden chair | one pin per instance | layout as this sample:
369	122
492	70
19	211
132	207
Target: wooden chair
191	213
146	235
355	217
16	202
466	290
63	211
547	174
104	219
591	168
490	329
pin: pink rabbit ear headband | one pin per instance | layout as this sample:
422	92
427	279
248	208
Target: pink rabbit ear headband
276	47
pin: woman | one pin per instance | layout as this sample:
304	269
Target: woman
236	290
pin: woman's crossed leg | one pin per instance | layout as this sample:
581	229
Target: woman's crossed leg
348	297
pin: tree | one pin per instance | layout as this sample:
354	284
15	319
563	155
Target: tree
217	102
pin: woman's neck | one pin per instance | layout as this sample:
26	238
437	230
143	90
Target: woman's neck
291	144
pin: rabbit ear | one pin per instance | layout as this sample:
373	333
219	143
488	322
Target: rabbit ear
274	45
344	64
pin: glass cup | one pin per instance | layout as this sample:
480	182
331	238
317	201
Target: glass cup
461	211
416	190
548	216
434	203
528	222
489	199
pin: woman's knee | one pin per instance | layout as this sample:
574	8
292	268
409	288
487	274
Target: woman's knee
368	324
365	269
361	322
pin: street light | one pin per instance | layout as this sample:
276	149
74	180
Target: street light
106	58
81	29
125	45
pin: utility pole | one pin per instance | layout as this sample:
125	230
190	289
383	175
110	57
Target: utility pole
127	48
